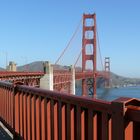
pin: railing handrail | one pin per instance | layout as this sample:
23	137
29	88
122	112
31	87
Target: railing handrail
68	98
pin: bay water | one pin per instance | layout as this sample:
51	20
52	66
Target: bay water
111	94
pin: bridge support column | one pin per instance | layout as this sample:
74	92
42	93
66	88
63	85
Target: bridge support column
46	82
89	42
72	88
12	66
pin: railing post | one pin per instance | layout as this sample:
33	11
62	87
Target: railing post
14	92
16	135
13	108
121	126
118	132
132	116
46	82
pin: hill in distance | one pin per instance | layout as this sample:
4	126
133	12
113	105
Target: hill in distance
116	80
2	69
121	81
34	66
38	66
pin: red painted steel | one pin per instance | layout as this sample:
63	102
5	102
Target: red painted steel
28	78
89	74
89	57
62	81
14	74
32	113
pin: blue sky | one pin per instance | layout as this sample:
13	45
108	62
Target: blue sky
32	30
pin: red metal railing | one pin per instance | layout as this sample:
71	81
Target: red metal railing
36	114
6	105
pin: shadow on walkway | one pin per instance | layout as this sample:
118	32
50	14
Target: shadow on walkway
4	135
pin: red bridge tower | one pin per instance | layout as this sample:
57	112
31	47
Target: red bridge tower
89	86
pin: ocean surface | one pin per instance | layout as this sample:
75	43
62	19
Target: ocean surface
114	93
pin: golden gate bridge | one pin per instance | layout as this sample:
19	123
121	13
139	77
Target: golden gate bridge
32	113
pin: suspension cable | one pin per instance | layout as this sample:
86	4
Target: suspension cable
68	45
81	52
99	48
78	57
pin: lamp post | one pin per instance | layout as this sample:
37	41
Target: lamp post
6	58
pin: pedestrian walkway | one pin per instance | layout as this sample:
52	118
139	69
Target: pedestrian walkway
4	135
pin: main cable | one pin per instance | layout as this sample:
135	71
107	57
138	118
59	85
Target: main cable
68	45
99	48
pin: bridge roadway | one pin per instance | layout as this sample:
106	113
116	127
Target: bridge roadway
5	75
90	74
62	79
60	76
